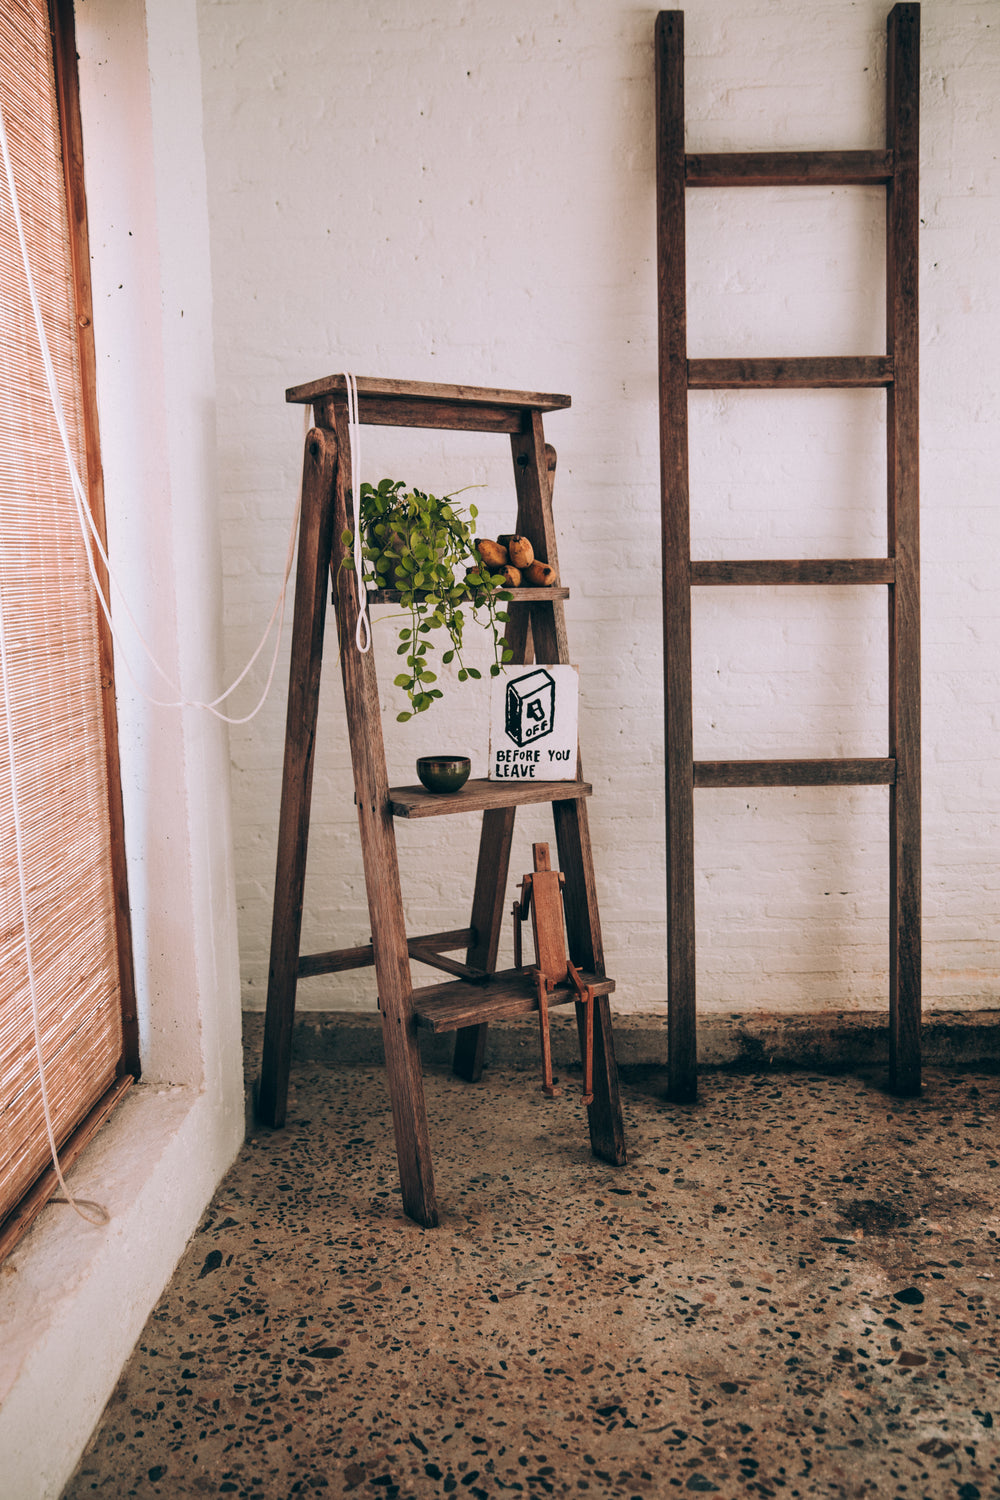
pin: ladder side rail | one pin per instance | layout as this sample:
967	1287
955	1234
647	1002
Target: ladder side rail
311	582
534	466
902	346
381	865
676	554
489	901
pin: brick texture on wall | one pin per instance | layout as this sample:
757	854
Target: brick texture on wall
444	190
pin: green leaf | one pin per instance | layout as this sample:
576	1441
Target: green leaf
474	672
402	718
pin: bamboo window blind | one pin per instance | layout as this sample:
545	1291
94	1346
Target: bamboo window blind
59	658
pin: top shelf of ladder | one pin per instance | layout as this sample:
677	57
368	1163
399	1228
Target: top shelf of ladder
416	403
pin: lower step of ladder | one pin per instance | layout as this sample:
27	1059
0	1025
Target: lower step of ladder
510	993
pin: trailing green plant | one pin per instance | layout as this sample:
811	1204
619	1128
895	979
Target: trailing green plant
422	546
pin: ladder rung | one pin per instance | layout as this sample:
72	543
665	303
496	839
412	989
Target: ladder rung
832	371
718	773
478	796
845	570
794	168
449	1007
339	959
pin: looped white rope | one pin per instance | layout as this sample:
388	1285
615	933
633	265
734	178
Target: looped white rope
91	537
363	629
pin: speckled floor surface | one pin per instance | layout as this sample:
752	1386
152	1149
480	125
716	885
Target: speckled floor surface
791	1290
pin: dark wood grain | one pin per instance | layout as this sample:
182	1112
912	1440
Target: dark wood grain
535	616
71	136
831	372
478	795
381	866
902	344
308	627
534	465
864	772
489	900
339	960
756	573
372	388
510	993
676	552
788	168
441	415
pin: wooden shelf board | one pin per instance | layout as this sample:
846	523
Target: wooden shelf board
510	993
422	390
517	596
479	795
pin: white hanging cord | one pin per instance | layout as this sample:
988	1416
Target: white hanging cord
363	628
91	536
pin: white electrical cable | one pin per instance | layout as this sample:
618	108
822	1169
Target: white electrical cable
363	626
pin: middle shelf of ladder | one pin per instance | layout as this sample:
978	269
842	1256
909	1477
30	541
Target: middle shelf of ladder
481	796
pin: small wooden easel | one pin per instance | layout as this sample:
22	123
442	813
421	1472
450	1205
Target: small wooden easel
467	1003
542	895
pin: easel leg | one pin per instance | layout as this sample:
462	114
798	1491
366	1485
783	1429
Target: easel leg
312	573
548	1086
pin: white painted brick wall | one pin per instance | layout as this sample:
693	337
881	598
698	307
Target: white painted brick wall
445	190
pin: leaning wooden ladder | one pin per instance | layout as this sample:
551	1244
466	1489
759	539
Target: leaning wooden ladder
896	371
536	624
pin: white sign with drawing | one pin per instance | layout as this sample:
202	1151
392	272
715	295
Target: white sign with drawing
533	724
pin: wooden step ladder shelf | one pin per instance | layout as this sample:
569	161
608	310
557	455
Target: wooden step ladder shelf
476	994
896	169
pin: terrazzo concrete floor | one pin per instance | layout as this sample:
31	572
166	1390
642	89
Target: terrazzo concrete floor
791	1290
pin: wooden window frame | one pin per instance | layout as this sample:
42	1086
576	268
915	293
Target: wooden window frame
63	32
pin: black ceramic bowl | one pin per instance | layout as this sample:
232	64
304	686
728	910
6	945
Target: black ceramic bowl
443	773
